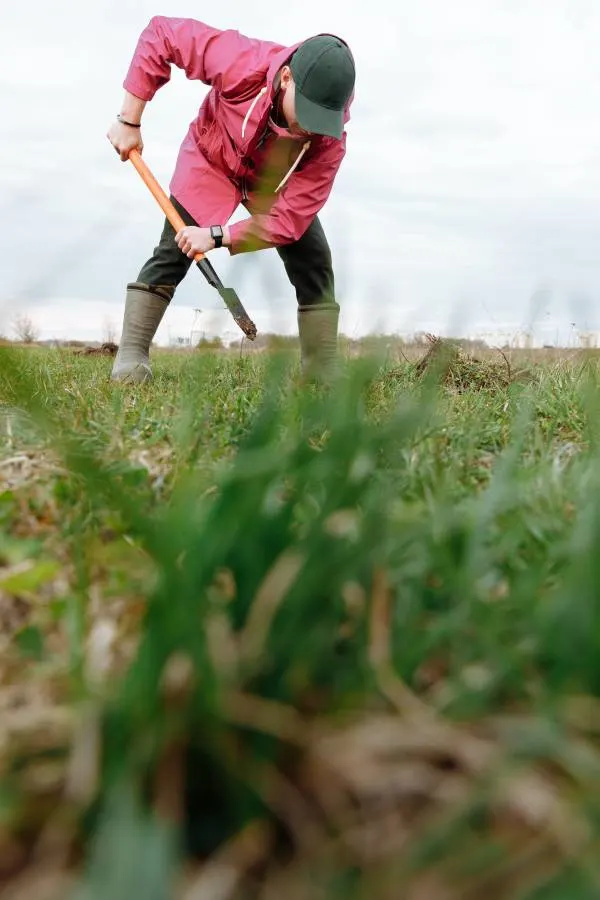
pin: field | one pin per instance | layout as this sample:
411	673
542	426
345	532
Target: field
262	640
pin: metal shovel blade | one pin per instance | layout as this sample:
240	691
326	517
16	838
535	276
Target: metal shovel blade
234	305
232	301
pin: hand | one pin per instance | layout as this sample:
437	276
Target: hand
125	139
193	240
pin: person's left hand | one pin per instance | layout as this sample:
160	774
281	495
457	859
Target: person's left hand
192	240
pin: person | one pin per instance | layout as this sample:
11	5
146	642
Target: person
271	135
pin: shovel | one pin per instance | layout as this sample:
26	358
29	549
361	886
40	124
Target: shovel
232	301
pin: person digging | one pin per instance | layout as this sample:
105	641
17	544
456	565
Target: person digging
270	134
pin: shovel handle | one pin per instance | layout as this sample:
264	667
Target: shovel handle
159	195
231	299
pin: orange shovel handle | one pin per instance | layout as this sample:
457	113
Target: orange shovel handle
159	195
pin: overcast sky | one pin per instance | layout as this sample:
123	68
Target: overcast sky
468	202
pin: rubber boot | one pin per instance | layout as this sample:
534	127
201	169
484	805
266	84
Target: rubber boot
145	305
318	329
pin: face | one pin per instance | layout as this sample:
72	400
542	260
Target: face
288	103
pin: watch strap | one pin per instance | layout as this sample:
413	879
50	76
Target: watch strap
216	232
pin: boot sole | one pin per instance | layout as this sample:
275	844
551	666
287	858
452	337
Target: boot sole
138	375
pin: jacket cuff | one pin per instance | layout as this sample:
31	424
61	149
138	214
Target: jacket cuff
242	239
135	87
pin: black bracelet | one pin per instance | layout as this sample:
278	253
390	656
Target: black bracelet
125	122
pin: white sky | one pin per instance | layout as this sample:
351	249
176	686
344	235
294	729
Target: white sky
470	193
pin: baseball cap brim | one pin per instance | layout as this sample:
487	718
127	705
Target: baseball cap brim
318	119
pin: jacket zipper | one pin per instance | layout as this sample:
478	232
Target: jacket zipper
258	144
252	149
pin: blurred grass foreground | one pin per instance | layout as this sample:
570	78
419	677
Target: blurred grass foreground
261	640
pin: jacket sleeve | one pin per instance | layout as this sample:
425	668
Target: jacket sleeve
295	208
205	54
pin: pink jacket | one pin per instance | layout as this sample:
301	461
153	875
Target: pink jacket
216	157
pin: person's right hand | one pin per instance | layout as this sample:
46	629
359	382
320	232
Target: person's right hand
124	138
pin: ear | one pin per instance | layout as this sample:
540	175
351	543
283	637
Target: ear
286	77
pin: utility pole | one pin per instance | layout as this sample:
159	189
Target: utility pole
197	313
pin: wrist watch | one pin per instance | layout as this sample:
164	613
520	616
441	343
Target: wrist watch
216	233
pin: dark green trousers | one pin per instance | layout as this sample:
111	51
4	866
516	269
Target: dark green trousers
307	262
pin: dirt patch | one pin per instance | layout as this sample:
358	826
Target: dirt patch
461	371
106	349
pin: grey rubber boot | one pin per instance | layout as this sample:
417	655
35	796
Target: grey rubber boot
318	329
145	305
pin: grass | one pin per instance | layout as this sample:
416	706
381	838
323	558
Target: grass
258	640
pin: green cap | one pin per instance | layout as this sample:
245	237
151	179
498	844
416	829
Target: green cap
324	74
